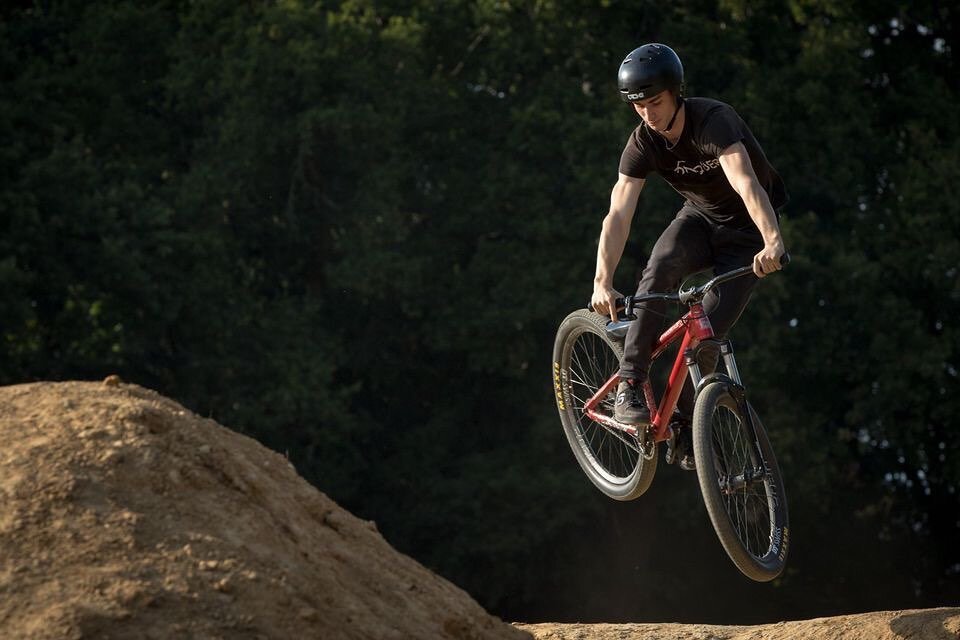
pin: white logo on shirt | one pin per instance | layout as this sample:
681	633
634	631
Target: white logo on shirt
699	169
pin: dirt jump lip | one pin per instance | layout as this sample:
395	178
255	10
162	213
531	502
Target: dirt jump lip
127	516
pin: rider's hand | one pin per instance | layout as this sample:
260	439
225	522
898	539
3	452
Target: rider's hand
604	301
768	260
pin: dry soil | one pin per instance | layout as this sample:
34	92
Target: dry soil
124	515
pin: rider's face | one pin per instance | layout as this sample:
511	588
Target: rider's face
656	111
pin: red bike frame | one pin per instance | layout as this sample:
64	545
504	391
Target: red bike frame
693	327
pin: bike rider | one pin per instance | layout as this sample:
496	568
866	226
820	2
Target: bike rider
707	154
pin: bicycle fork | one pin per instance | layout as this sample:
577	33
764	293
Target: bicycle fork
739	482
726	351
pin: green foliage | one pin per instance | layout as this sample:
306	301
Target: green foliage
351	228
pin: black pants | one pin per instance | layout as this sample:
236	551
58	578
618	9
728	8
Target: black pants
691	243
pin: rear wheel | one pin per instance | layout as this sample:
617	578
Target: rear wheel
743	491
584	358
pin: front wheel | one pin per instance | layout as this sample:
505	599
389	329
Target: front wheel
740	481
584	358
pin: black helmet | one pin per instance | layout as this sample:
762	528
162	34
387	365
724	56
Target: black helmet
648	70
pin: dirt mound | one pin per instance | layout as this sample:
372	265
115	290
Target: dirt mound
922	624
126	516
123	515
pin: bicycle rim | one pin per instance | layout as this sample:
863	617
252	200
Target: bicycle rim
614	455
741	483
750	505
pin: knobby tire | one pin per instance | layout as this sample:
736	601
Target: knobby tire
750	518
584	357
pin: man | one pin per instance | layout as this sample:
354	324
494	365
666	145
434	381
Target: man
705	152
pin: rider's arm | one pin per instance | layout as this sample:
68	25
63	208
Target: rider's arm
613	238
736	165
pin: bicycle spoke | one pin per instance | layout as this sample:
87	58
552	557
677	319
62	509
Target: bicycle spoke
578	370
586	360
746	502
591	364
575	377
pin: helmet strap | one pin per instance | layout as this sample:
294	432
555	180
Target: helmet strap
675	112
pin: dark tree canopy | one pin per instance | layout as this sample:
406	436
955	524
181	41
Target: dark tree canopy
351	228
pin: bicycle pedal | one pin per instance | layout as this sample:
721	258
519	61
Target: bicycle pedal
671	454
679	453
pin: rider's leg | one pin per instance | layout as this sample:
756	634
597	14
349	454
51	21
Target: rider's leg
734	249
683	248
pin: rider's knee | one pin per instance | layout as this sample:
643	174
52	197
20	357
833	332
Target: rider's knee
663	272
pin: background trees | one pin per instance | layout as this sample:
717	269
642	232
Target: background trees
351	228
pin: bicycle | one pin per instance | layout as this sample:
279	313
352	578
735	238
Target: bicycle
738	474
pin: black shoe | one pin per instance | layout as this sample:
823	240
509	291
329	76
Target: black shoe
682	450
630	407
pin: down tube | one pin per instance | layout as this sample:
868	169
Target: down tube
678	376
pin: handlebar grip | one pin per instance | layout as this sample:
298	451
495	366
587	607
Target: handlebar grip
619	302
784	259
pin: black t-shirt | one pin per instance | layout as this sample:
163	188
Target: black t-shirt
692	166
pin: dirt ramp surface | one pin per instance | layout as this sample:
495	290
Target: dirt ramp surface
921	624
126	516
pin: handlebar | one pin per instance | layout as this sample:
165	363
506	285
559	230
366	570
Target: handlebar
689	296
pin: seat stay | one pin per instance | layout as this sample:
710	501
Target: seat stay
605	389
